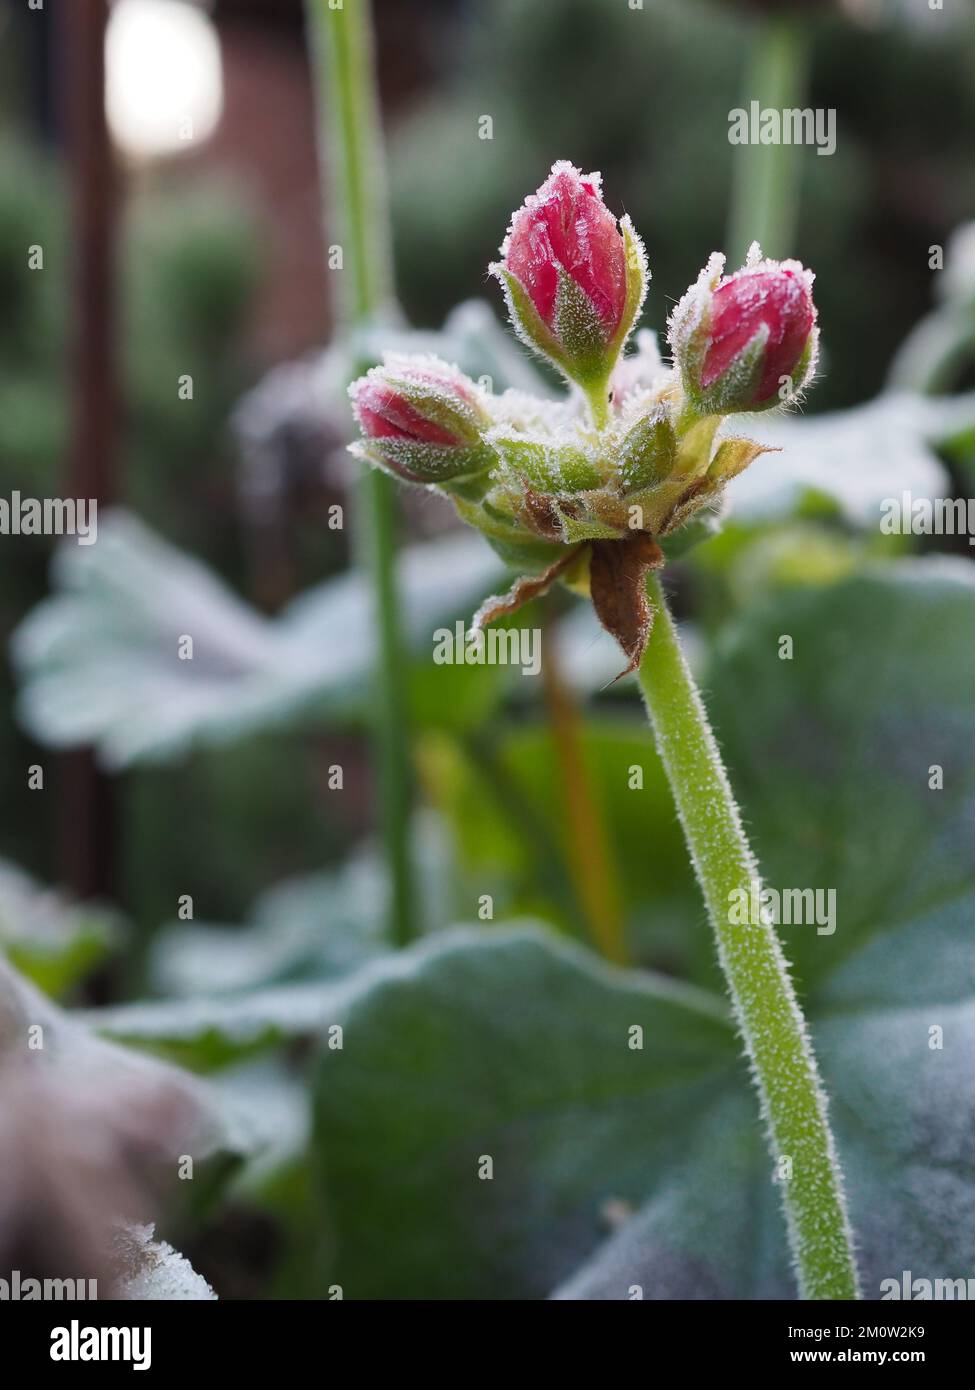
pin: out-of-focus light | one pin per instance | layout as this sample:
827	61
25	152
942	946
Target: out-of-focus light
163	77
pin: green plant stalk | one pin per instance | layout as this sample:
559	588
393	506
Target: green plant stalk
590	859
351	153
766	178
768	1014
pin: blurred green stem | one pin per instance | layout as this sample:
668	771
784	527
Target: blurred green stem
768	1014
351	153
765	178
594	875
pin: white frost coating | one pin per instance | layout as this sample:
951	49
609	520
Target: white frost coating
95	663
518	410
693	303
437	389
640	374
157	1270
541	197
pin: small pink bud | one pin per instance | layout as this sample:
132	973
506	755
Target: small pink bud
420	419
748	341
573	277
384	414
777	300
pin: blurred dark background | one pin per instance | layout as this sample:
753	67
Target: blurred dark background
219	274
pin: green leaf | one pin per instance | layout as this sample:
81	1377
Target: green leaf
210	1031
52	941
830	751
513	1045
316	927
500	795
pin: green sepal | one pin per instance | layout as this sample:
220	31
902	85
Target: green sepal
580	332
528	323
648	451
546	466
516	545
735	388
733	456
637	279
430	464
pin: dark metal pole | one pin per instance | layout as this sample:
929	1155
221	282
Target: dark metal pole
86	830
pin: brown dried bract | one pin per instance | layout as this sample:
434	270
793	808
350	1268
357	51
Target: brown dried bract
521	592
618	583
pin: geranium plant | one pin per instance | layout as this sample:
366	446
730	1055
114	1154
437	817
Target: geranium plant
595	490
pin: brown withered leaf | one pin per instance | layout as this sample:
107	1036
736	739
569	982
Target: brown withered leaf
521	592
698	495
617	581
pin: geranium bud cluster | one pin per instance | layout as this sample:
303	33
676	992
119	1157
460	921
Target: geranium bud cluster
635	450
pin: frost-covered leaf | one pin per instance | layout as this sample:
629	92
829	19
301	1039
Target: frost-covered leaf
510	1045
51	940
308	398
211	1030
323	925
314	927
270	1104
100	659
849	460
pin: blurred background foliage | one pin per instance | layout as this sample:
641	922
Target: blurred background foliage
643	96
222	770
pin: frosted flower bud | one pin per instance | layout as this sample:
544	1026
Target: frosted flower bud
421	420
747	341
574	279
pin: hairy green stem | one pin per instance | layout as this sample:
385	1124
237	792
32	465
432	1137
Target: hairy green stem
598	397
768	1014
353	174
765	178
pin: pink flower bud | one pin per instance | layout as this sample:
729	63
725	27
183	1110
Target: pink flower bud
567	226
574	279
748	341
384	414
420	419
778	301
